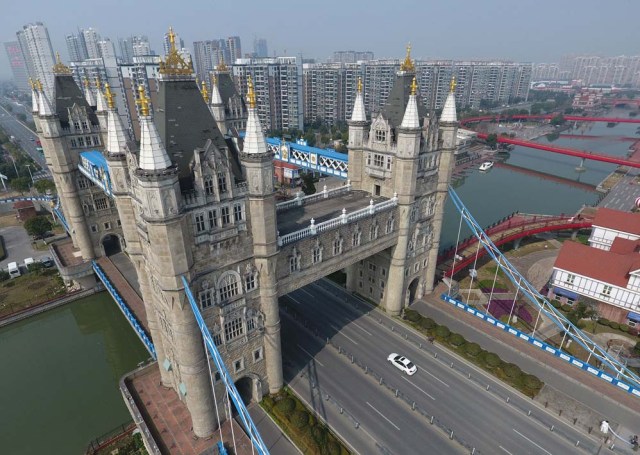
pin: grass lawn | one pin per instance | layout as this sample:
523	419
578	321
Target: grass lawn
9	220
29	290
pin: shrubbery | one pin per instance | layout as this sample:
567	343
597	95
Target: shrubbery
443	332
472	349
603	321
456	339
614	325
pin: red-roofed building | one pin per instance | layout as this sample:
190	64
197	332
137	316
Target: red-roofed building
608	270
286	173
24	210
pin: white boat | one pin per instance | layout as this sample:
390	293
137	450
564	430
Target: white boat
486	165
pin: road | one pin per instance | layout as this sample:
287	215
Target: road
14	127
483	419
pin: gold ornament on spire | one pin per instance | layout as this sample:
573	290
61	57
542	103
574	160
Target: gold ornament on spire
98	84
205	92
214	80
174	64
407	65
251	95
108	94
86	83
222	66
59	67
359	85
453	84
414	86
38	84
143	101
32	84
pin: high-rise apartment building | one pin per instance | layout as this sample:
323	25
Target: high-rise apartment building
278	88
618	71
76	47
91	39
106	49
133	46
235	48
351	56
18	65
260	49
206	56
38	54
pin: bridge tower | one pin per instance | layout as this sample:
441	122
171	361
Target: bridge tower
398	154
216	105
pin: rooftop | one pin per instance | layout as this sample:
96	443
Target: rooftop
618	220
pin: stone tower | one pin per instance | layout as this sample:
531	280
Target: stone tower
399	154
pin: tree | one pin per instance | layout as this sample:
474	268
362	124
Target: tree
38	226
21	184
310	137
492	140
44	185
308	187
558	120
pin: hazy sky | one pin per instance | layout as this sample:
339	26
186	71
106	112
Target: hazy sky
520	30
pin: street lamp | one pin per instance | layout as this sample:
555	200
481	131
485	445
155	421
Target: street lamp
14	165
29	168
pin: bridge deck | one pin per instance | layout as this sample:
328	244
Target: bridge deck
298	218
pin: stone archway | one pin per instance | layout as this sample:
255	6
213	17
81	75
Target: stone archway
412	290
111	244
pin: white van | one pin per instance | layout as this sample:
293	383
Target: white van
14	270
27	263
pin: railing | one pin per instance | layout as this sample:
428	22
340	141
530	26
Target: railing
333	223
125	309
301	200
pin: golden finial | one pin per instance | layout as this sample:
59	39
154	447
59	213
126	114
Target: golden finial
108	94
214	80
174	64
98	84
453	84
39	85
172	40
86	82
222	66
251	95
205	92
359	85
407	65
59	67
32	84
414	86
143	101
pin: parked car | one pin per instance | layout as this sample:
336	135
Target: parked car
46	261
27	263
14	270
402	363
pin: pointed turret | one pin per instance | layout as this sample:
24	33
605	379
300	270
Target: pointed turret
88	94
34	98
116	136
44	105
359	114
153	156
449	110
216	106
101	103
254	142
411	118
216	99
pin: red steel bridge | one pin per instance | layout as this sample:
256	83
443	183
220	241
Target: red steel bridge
583	154
509	229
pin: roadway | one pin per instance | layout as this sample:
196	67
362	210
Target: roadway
27	137
483	419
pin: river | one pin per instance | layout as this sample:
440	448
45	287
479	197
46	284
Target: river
60	373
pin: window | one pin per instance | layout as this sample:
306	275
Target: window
85	125
224	214
378	160
228	286
570	278
381	284
222	183
208	185
416	267
360	284
199	218
606	290
250	281
388	163
257	355
94	228
233	329
360	273
217	340
80	141
213	218
101	204
238	365
206	299
83	183
376	190
76	125
96	140
337	246
238	214
380	136
107	225
390	225
383	271
355	238
294	263
74	143
316	255
372	267
373	232
87	139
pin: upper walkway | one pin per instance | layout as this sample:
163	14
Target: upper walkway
513	227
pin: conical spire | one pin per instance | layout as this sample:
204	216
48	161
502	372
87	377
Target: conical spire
411	118
101	103
116	137
88	94
216	99
44	105
254	142
358	114
153	156
449	109
34	98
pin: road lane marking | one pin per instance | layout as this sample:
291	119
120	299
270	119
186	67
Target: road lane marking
434	377
343	334
505	450
362	328
382	415
312	357
418	388
541	448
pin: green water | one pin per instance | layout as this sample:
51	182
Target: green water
59	377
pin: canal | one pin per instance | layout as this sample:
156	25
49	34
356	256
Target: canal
492	195
60	373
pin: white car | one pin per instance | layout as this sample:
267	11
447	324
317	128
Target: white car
402	363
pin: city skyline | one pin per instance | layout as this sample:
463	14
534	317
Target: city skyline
435	30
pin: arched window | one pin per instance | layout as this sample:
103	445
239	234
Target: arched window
228	286
208	185
390	225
